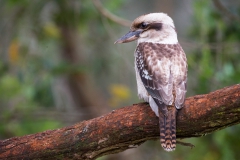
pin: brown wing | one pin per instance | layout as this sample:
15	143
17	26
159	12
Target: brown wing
179	70
154	70
154	62
162	67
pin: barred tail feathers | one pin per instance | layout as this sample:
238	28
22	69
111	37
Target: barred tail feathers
167	125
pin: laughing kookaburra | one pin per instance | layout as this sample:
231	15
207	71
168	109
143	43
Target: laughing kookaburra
161	70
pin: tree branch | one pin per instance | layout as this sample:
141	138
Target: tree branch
126	128
109	15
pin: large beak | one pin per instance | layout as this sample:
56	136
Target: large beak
130	36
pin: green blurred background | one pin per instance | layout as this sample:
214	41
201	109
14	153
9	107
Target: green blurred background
59	66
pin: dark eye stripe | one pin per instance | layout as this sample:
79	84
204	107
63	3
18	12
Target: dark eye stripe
146	26
156	26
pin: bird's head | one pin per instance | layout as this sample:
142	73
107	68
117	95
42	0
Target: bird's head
153	27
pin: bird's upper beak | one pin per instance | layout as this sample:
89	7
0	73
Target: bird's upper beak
130	36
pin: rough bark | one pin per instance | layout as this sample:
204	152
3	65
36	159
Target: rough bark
126	128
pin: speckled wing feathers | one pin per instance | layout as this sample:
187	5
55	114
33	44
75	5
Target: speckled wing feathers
163	71
162	67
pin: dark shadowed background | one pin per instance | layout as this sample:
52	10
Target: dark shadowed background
59	65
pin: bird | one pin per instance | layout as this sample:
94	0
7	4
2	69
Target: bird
161	70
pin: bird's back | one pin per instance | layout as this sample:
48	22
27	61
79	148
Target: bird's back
163	71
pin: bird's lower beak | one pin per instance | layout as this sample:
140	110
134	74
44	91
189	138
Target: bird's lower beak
130	36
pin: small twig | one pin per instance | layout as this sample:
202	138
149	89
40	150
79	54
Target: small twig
225	11
109	15
186	144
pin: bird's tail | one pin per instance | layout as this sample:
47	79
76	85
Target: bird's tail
168	128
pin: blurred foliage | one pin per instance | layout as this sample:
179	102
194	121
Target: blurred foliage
214	65
120	94
30	50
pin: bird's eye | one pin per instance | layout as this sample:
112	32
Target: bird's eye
143	25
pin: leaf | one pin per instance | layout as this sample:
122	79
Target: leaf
119	94
13	51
